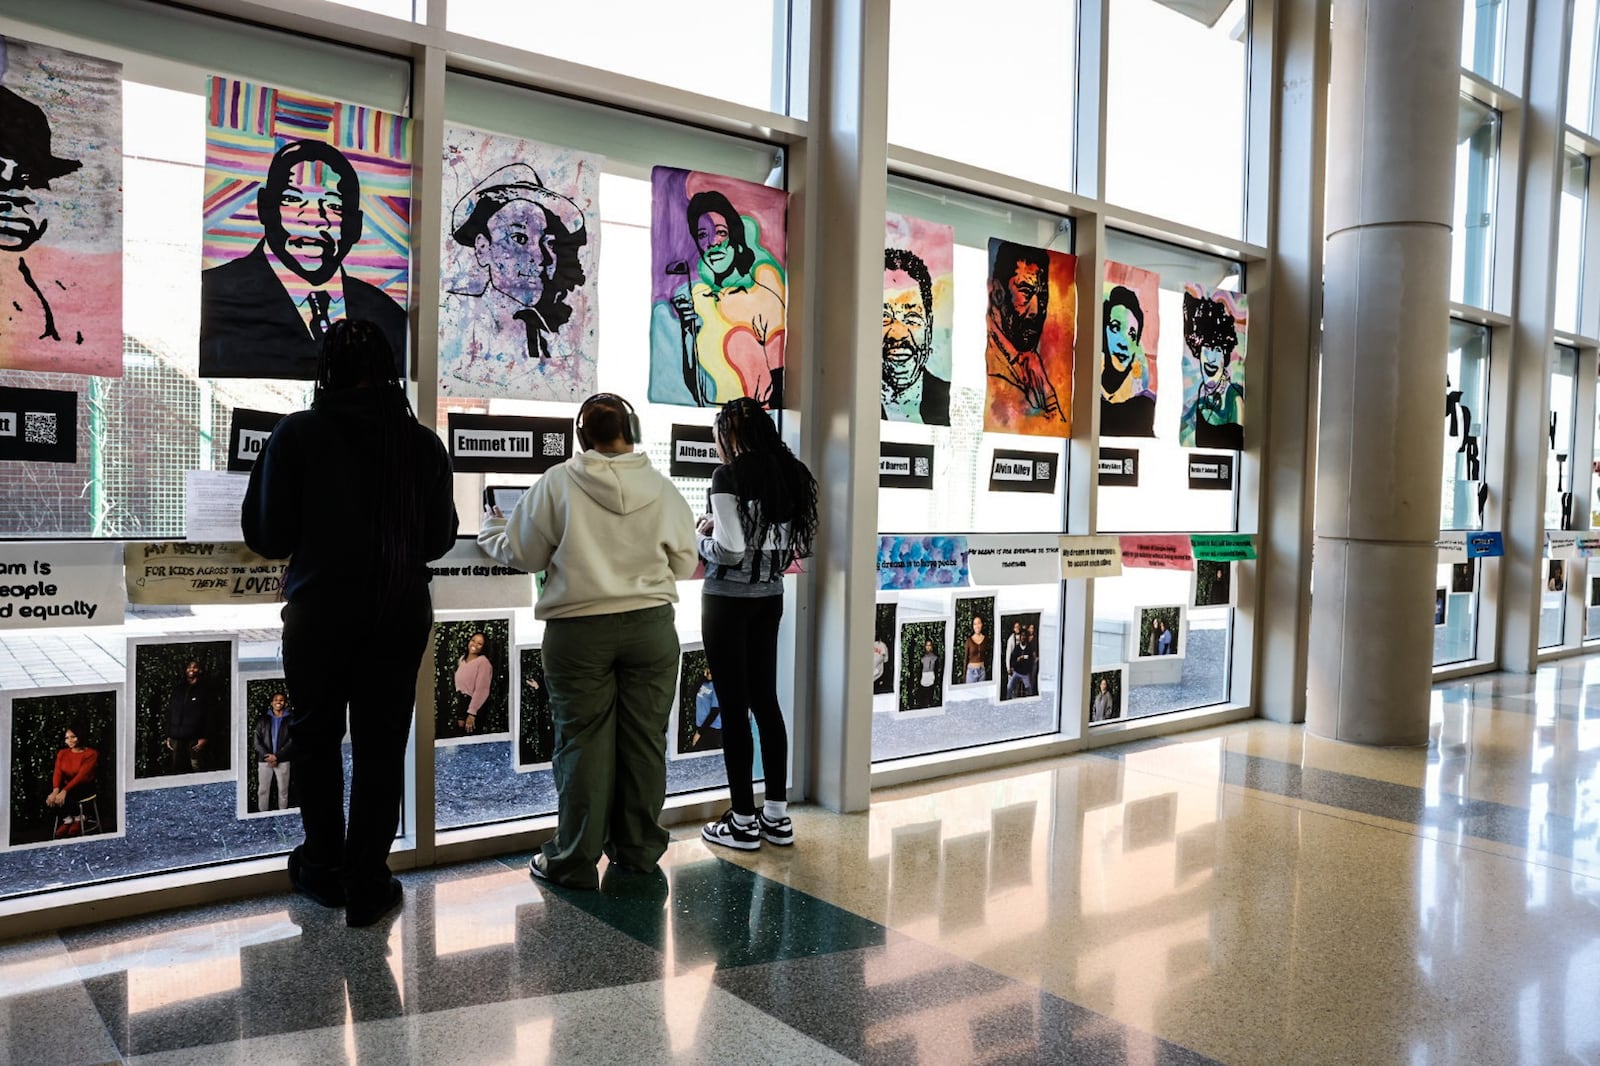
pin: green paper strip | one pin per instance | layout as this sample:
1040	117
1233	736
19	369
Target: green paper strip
1223	547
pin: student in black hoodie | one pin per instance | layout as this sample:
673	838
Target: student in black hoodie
357	495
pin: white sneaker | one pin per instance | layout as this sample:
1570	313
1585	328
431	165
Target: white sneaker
730	834
778	831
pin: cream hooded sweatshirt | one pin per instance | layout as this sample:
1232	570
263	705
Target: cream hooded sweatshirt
610	533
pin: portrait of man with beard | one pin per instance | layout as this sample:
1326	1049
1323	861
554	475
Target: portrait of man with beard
911	392
1030	337
264	314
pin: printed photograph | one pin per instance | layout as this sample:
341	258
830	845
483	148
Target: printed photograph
918	292
1594	592
975	634
307	221
1555	577
883	660
64	761
60	211
1214	335
1213	583
536	728
519	314
1108	689
698	726
1160	631
924	666
182	695
1033	307
719	289
1441	606
266	779
1463	575
1021	655
472	678
1129	327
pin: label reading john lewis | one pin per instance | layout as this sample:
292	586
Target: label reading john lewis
247	437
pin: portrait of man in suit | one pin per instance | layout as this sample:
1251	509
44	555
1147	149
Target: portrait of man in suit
264	314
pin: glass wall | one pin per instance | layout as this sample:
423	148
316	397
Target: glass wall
1570	241
1466	456
1558	497
1581	64
1472	236
1483	38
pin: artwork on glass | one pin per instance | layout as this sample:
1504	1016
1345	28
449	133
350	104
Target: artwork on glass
718	289
307	221
973	663
472	678
518	309
1021	655
1108	693
924	649
536	728
63	766
697	719
182	705
60	211
918	258
883	658
1030	326
1215	332
1160	631
1130	320
266	758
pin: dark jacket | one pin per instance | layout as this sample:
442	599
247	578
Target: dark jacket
313	498
194	712
250	328
263	738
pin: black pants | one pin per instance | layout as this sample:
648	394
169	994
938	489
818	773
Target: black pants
360	658
741	638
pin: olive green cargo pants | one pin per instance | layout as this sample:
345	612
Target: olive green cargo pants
611	679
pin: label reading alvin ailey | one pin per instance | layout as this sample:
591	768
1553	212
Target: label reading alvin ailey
508	444
694	452
905	466
1119	467
248	436
1013	471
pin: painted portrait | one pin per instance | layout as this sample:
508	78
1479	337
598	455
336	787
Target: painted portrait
518	310
182	695
924	666
719	295
472	679
60	211
307	221
1215	331
536	726
1108	694
1021	655
65	782
1130	320
1030	325
918	259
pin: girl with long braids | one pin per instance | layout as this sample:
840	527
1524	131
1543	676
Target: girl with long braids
357	495
763	516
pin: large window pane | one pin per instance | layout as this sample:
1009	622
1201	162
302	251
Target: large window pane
1483	38
1569	258
1175	110
1472	238
741	54
1557	500
942	102
1465	453
1581	65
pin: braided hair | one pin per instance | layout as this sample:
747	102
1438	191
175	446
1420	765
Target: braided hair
356	354
773	486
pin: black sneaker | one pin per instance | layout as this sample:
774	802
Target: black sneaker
779	831
730	834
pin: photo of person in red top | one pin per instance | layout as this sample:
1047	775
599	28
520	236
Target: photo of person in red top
74	780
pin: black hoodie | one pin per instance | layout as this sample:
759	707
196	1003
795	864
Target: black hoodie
313	496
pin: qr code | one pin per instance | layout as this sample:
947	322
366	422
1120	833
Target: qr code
39	427
1041	471
555	444
920	466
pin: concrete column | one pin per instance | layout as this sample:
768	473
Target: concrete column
1391	162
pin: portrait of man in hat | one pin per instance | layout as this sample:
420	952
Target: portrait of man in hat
525	237
27	167
264	314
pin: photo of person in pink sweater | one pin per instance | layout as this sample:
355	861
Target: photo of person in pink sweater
472	678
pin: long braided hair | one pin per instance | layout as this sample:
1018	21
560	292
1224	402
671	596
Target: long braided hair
356	354
774	487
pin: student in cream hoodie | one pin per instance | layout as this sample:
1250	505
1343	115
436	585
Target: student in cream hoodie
613	537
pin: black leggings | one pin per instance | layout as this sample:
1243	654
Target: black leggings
741	639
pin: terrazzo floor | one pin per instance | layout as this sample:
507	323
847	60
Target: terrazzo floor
1242	894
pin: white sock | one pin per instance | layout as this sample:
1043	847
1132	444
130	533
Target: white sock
775	809
743	821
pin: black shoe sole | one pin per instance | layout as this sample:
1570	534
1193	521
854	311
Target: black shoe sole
360	915
327	895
